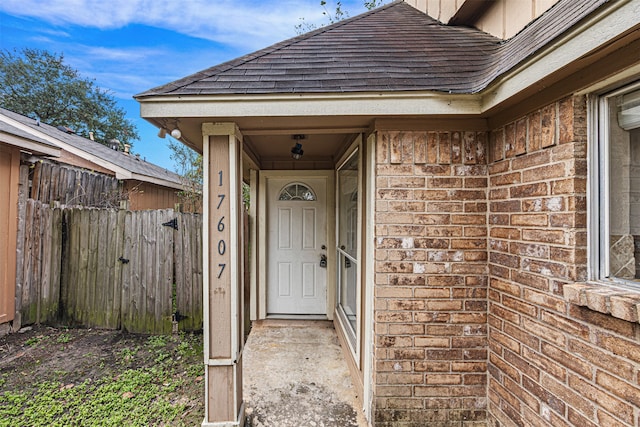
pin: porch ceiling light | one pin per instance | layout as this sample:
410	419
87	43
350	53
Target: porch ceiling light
176	133
296	150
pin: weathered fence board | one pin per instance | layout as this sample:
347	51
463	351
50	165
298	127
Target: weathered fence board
38	272
70	186
111	268
188	271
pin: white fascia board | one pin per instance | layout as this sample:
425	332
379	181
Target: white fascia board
29	145
587	37
310	105
121	173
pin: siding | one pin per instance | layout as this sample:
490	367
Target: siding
9	173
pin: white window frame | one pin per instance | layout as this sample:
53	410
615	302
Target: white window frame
598	200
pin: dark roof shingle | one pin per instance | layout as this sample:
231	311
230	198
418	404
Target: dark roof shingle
128	162
393	48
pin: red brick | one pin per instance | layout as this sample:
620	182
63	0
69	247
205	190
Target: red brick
510	140
444	182
550	367
505	179
519	306
504	314
444	148
548	126
616	406
600	358
525	336
605	419
629	393
432	148
505	206
420	148
549	398
496	141
535	142
521	137
529	190
531	160
566	115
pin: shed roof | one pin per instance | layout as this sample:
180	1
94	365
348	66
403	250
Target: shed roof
142	169
392	48
38	145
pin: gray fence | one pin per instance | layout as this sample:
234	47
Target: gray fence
109	268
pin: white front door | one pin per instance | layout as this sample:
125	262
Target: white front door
296	243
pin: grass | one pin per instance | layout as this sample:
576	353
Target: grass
156	394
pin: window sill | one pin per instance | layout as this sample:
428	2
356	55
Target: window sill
620	302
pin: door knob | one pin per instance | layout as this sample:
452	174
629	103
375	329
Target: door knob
323	261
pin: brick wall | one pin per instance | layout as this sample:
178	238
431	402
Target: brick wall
431	279
550	362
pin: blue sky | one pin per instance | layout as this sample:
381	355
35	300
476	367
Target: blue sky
129	46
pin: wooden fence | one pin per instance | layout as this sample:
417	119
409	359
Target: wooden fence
67	185
109	268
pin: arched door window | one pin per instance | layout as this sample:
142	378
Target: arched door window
297	191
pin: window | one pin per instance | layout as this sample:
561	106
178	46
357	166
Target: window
348	257
297	192
616	187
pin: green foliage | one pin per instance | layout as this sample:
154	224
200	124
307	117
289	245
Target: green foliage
189	166
64	338
138	396
38	84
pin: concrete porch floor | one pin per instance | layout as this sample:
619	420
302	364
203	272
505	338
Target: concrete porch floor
295	375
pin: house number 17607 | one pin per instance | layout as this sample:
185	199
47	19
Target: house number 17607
222	244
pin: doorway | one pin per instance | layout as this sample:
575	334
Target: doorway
297	245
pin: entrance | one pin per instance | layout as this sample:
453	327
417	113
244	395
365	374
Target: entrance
297	246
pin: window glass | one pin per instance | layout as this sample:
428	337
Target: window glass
348	258
297	191
620	216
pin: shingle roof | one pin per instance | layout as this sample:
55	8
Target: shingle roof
393	48
12	130
131	163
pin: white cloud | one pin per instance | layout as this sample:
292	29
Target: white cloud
250	24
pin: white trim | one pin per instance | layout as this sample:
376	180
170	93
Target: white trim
235	242
206	215
606	25
263	207
239	423
29	144
598	178
303	105
253	210
354	149
369	278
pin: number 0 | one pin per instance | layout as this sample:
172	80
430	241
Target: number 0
222	247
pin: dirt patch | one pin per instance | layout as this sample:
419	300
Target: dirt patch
67	358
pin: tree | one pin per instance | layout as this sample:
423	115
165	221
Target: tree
332	17
189	166
38	84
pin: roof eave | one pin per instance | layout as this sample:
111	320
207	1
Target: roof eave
598	30
29	145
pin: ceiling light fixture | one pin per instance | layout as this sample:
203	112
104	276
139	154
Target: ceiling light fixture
176	133
296	150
